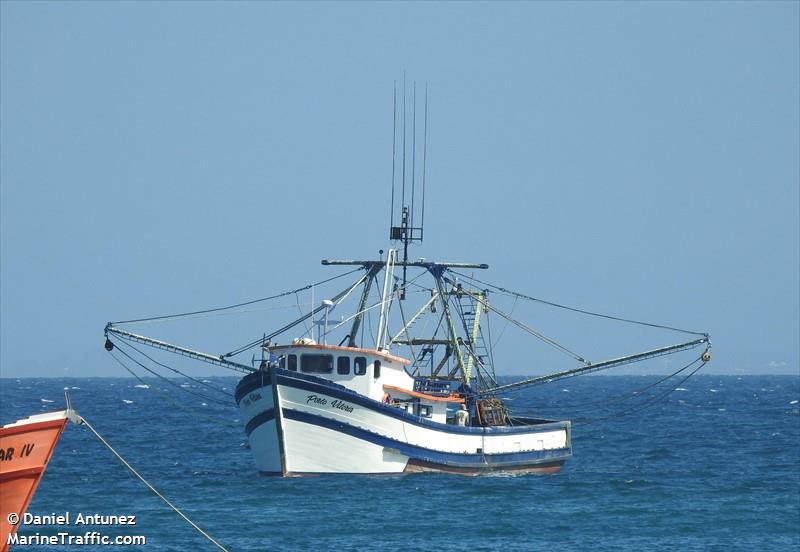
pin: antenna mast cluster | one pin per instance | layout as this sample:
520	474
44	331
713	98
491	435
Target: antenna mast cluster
409	230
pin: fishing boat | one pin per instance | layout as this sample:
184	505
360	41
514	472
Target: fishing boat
310	407
26	447
341	399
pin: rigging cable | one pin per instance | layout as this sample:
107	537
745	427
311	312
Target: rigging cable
637	393
299	308
169	399
628	395
528	329
217	309
378	304
637	408
172	382
85	422
505	326
197	381
573	309
336	298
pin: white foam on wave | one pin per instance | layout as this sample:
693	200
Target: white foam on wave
126	401
794	401
46	400
681	389
142	386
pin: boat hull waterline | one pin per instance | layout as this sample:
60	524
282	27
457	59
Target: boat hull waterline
299	424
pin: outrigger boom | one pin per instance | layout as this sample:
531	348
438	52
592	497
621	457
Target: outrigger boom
538	380
177	349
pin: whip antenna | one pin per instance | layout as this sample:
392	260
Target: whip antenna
407	232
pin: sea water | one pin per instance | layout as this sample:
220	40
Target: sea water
713	465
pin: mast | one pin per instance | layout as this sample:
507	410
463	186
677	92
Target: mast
407	233
385	299
372	272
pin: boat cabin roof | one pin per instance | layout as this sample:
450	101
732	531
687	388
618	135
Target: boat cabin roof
318	347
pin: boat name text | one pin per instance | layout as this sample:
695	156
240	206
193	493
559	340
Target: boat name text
336	403
251	398
8	453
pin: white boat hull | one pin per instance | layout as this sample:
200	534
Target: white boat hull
299	424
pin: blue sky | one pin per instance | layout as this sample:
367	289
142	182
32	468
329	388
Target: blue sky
633	158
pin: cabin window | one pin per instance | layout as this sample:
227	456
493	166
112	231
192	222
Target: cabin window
343	365
293	363
316	364
376	369
282	362
424	410
359	366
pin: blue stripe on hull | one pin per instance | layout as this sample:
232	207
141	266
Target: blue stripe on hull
460	460
313	384
258	420
545	460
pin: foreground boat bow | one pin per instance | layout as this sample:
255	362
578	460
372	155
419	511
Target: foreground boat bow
26	447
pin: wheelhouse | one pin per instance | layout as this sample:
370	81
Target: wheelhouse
365	371
378	375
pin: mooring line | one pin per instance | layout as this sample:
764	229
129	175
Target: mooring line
83	421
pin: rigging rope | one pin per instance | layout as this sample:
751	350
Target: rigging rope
197	381
573	309
336	298
169	399
172	382
230	312
217	309
164	499
637	408
636	394
528	329
628	395
378	304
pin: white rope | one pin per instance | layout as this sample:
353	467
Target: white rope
149	486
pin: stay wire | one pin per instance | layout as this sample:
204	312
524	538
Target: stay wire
164	499
573	309
192	411
197	381
527	329
217	309
505	326
638	407
204	397
639	393
303	318
629	395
